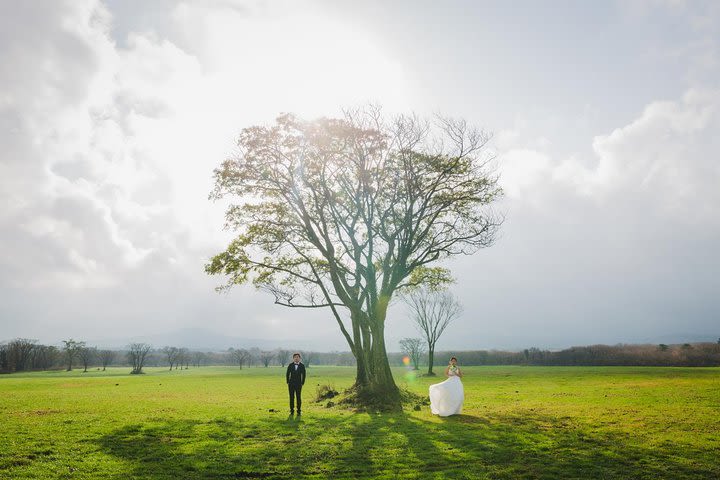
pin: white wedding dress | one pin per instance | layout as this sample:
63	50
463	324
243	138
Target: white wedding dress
447	398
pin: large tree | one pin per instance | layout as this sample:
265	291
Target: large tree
344	213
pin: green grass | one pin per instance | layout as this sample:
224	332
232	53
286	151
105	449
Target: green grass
215	422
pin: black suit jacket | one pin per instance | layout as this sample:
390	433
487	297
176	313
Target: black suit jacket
295	377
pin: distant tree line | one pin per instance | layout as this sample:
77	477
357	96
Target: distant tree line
676	355
22	354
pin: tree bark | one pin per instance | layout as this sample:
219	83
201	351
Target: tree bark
374	383
382	375
431	356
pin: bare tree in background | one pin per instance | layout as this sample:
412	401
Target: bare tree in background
87	356
413	348
106	357
20	353
239	356
198	358
254	356
184	358
136	356
308	358
44	357
283	356
171	354
71	349
5	366
432	310
266	357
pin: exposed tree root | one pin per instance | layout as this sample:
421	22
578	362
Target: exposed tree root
367	399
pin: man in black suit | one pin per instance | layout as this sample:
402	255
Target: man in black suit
295	377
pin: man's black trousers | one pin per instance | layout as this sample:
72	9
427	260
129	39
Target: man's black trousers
295	391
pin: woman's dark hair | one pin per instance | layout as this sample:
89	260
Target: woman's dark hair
453	358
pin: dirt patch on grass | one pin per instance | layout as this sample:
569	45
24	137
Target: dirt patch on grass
37	413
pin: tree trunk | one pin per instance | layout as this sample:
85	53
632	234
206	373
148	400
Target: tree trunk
374	384
362	377
380	366
360	351
431	356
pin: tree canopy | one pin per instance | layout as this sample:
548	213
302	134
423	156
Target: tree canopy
342	213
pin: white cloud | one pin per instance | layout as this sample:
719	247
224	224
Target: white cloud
109	144
522	169
669	154
109	150
78	206
619	245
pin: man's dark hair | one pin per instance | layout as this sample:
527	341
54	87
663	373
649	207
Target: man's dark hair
297	355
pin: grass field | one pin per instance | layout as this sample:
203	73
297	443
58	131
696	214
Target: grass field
216	422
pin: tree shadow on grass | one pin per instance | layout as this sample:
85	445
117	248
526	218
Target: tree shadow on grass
395	446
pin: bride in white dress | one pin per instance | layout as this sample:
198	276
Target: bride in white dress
447	398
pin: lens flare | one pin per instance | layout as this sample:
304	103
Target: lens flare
409	372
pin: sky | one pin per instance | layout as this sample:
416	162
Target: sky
605	120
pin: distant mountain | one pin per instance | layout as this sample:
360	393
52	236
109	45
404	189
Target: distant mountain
679	338
207	340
